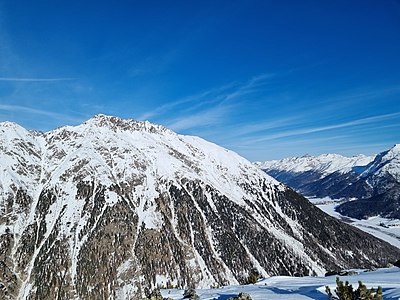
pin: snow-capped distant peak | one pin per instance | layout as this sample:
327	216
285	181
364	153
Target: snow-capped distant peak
324	163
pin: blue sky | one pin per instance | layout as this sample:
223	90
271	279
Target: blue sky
267	79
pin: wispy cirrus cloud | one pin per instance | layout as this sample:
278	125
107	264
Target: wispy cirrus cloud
367	94
19	79
34	111
282	125
250	86
253	128
204	118
186	100
219	104
210	98
303	131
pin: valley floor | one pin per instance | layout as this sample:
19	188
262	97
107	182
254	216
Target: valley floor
385	229
297	288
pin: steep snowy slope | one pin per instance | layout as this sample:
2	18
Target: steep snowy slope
374	181
104	209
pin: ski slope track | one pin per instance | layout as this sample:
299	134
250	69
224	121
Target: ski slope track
111	207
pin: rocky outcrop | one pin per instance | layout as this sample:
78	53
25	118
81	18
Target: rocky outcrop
241	296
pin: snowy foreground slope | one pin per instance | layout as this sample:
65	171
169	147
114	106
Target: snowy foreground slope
299	288
104	209
373	181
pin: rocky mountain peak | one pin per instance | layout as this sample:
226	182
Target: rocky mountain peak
116	123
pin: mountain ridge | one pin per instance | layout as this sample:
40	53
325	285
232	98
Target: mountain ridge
374	181
324	163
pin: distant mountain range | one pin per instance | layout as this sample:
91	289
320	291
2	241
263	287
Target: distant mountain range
371	183
111	207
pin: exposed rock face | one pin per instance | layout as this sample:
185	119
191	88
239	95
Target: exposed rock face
112	207
241	296
373	181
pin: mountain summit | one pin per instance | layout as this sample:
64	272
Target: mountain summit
108	208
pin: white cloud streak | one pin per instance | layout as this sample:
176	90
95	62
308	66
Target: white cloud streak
217	96
16	79
367	94
209	117
251	86
190	99
263	126
304	131
34	111
222	98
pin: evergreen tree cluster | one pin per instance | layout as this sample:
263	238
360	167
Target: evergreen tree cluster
345	291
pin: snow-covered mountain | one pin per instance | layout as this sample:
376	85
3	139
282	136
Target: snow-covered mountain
107	208
373	181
